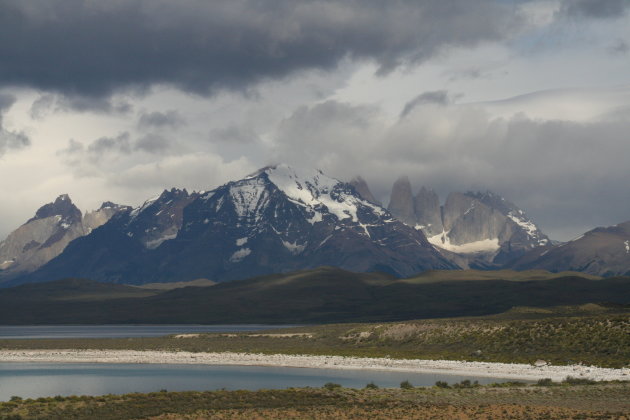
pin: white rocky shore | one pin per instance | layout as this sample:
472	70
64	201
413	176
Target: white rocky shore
498	370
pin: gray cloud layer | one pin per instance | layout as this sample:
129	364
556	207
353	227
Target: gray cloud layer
93	48
569	176
594	8
10	139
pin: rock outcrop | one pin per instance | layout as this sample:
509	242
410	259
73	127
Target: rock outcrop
428	212
401	203
362	188
482	229
46	235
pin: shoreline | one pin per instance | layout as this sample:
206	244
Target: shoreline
512	371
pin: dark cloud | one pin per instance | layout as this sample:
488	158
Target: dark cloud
10	139
6	102
110	145
160	120
436	97
153	143
53	103
600	9
88	49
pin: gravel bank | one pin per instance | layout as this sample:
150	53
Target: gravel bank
501	370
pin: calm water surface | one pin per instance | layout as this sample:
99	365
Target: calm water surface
120	331
33	380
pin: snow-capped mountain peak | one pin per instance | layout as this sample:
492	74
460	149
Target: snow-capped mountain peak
314	190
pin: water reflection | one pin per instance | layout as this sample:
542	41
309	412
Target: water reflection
33	380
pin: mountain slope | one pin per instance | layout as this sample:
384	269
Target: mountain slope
275	220
603	251
47	234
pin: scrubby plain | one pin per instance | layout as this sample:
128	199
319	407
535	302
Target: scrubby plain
589	334
515	401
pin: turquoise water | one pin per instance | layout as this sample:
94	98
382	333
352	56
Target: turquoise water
119	331
33	380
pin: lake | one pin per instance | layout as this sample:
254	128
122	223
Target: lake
34	380
120	331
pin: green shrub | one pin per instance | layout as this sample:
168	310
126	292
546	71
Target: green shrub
442	384
331	386
371	385
406	385
544	382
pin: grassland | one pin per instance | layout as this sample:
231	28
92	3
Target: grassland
322	295
590	334
561	401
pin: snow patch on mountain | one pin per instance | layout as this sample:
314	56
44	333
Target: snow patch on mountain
315	191
241	241
627	244
240	254
443	241
154	243
135	212
294	248
250	198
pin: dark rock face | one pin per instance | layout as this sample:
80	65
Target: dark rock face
428	212
62	207
604	251
276	220
363	190
160	218
401	203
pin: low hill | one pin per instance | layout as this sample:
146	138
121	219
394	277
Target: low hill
314	296
70	290
177	284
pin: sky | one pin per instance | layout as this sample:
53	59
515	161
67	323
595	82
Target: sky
118	100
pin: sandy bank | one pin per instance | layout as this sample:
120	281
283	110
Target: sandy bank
501	370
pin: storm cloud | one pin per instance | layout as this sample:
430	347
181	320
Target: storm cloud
88	48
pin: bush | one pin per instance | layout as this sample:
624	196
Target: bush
544	382
464	384
15	398
331	386
506	384
442	384
371	385
570	380
406	385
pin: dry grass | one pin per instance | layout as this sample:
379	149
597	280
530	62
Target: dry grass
596	401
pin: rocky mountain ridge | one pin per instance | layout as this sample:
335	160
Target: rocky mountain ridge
603	251
280	219
274	220
476	229
47	234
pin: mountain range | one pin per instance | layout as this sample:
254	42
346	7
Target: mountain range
483	229
281	219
